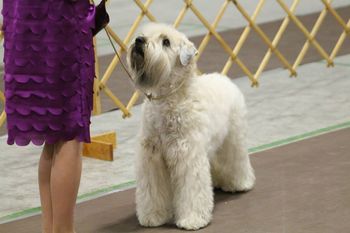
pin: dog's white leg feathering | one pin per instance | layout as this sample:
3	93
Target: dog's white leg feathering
190	176
231	168
153	191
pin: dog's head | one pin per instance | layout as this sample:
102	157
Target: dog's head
158	54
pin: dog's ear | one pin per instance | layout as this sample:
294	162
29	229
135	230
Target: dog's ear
187	53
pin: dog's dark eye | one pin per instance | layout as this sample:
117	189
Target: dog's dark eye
166	42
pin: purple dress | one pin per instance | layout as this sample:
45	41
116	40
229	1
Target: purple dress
49	70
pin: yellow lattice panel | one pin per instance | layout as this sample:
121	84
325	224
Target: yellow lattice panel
2	97
2	104
233	52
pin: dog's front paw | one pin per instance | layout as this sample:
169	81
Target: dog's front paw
193	223
153	219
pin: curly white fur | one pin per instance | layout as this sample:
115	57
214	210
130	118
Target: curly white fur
191	140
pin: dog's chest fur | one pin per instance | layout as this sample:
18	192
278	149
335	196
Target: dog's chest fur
168	118
168	123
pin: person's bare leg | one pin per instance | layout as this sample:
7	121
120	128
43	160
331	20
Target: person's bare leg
44	173
65	180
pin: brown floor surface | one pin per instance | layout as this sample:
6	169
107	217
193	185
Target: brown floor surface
251	54
302	187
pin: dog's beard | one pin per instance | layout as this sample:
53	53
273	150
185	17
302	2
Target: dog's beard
149	65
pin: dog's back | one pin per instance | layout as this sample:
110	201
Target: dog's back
218	89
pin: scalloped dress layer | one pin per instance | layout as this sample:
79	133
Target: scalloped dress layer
49	70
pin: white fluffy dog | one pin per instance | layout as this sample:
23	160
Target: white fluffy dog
193	134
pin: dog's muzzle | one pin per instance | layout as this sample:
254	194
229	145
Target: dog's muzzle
137	53
139	45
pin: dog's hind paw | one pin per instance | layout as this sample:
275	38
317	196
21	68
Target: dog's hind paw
192	223
153	220
240	184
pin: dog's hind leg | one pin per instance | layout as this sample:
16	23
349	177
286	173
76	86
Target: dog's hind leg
153	191
231	168
193	193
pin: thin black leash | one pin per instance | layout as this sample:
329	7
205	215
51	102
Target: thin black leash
149	96
116	53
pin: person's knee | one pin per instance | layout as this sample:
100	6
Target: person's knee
71	145
48	151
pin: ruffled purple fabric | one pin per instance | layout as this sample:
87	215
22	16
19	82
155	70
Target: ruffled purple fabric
49	70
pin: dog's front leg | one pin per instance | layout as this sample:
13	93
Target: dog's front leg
153	191
193	193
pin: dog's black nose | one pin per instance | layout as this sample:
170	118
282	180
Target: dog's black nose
140	40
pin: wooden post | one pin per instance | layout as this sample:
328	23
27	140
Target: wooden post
3	114
101	146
